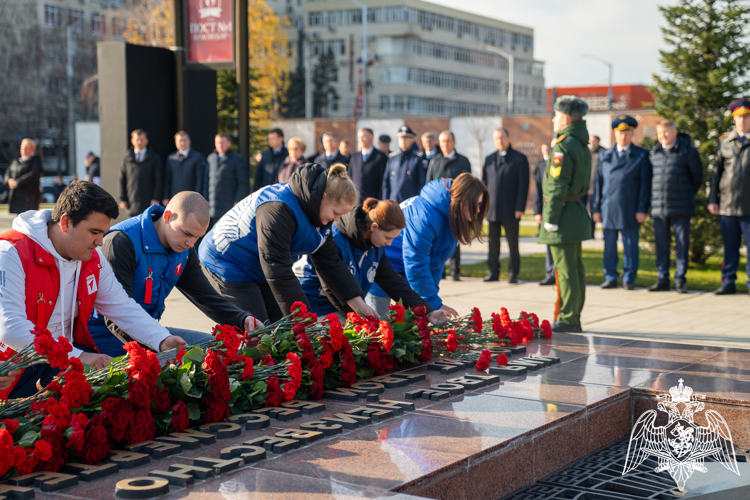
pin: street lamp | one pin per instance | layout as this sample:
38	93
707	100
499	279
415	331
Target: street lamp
610	94
365	55
511	74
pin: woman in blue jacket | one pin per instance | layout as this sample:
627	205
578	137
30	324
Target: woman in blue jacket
249	253
446	213
360	238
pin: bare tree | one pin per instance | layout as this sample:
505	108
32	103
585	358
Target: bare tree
480	126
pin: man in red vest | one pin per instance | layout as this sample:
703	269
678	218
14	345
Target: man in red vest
52	275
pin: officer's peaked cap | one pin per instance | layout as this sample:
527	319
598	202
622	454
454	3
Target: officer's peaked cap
624	122
740	107
405	131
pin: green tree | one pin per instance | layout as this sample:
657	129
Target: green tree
705	67
323	91
293	105
226	109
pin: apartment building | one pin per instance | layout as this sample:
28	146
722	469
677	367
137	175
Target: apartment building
424	59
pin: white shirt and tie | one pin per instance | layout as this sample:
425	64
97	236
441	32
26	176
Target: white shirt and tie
367	154
621	151
451	155
140	155
184	154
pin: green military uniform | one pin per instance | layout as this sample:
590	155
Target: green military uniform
567	177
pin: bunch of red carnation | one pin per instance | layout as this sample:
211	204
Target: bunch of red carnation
231	340
396	313
217	400
484	360
475	320
348	365
423	330
295	376
55	351
300	313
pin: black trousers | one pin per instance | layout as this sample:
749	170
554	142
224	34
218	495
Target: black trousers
257	299
511	234
456	263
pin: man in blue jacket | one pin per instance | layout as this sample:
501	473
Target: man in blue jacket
153	253
622	196
405	173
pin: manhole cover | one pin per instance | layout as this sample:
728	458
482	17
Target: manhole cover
599	477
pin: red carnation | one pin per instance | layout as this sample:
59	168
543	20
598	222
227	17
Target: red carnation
294	369
484	360
386	336
11	424
162	401
336	331
268	360
419	311
399	311
274	396
247	367
317	377
42	450
139	394
180	354
6	451
96	445
180	416
476	320
79	422
375	359
326	357
502	359
289	391
56	413
348	367
546	329
142	427
53	435
21	460
451	343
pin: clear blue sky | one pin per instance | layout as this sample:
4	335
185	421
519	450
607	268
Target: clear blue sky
627	34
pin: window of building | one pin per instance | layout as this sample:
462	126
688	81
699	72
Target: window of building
98	24
117	27
319	48
334	105
425	106
421	76
55	52
76	20
384	104
53	16
333	76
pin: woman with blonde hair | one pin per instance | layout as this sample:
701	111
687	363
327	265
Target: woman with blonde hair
446	213
249	254
23	178
294	161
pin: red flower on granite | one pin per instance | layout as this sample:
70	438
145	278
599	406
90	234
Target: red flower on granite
451	343
96	445
546	329
142	427
180	417
336	331
317	378
374	359
476	320
348	366
6	451
386	336
326	357
78	423
274	396
502	359
294	369
484	360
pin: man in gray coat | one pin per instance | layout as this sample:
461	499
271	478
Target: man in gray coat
228	178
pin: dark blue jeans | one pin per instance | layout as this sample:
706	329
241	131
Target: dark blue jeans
663	229
630	255
732	230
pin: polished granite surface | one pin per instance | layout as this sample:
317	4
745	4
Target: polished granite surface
484	443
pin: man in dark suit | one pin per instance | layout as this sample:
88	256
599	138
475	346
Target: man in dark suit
267	170
141	176
429	148
185	169
367	166
622	196
506	175
228	178
446	163
549	264
595	148
331	154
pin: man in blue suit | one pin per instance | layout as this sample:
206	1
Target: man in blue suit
405	173
622	196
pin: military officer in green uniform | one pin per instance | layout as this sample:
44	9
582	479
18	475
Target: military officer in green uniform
565	220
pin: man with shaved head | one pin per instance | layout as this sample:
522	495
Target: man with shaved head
153	253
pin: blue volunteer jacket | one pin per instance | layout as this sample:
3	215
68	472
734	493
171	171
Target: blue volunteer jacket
156	268
363	264
419	253
622	187
230	249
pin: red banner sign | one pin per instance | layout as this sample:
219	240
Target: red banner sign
210	32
